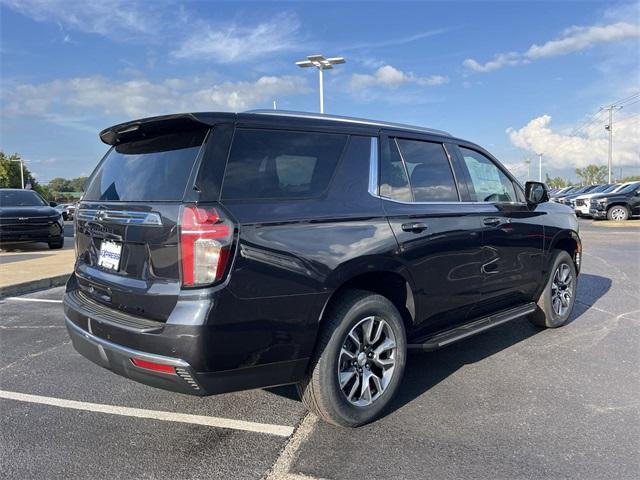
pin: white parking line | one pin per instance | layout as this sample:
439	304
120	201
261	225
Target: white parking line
278	430
25	299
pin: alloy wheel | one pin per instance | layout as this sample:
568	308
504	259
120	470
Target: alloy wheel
618	213
562	289
367	361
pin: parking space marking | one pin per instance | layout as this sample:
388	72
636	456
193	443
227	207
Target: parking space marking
37	300
270	429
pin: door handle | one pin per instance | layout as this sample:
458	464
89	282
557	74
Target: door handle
492	221
414	227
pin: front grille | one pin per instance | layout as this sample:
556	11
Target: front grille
579	203
83	304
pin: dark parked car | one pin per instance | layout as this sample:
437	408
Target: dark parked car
26	217
566	198
219	252
619	205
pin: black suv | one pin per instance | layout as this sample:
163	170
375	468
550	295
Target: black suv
219	252
617	206
26	217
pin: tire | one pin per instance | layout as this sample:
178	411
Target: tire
56	244
618	213
361	314
559	295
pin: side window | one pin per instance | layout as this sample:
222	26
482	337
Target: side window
394	182
430	174
281	164
489	182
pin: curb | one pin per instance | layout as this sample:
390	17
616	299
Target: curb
34	285
614	224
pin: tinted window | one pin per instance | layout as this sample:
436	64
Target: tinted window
489	182
20	198
394	182
152	169
429	171
280	164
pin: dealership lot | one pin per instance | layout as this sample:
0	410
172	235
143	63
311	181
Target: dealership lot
514	402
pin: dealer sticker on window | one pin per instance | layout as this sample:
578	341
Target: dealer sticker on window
109	256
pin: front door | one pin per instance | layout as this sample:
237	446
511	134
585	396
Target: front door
512	234
439	237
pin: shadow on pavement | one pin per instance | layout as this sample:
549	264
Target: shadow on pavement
425	370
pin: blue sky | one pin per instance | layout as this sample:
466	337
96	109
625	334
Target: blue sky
516	77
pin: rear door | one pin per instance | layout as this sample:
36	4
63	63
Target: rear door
438	235
127	223
512	233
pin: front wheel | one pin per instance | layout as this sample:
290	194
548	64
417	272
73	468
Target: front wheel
559	295
359	360
56	244
618	213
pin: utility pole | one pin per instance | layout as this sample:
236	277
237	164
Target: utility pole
609	127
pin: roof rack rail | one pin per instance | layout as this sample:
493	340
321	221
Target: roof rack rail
339	118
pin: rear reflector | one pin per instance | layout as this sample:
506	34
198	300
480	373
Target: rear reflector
156	367
205	241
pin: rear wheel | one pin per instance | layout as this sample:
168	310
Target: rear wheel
359	360
618	213
559	295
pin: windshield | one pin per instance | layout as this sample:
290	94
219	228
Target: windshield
611	188
600	188
153	169
20	198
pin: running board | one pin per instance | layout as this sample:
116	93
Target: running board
442	339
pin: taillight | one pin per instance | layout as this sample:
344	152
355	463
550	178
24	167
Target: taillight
205	243
156	367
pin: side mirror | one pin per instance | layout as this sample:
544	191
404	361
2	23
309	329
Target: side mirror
53	204
536	192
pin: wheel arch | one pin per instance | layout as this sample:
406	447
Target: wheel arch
570	242
387	278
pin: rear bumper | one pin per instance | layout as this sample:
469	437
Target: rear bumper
203	361
119	360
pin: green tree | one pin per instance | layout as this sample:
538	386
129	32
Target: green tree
555	182
592	174
630	178
10	172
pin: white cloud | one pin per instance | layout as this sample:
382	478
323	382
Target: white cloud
568	150
117	19
499	61
390	77
142	97
234	43
573	39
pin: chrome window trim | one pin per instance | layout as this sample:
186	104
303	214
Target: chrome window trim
373	167
124	217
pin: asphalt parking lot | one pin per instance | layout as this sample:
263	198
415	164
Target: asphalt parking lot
515	402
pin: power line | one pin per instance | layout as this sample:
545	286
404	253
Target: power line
623	100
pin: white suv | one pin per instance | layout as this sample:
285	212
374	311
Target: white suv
581	203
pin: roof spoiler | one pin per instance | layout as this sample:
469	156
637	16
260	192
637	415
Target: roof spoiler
155	126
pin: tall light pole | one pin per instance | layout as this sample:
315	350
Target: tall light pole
528	162
21	172
540	167
609	127
321	63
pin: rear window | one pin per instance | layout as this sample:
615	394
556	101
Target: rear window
155	169
281	164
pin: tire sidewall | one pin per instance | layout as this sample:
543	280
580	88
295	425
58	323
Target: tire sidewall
552	318
349	414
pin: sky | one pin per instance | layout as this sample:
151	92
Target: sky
518	78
